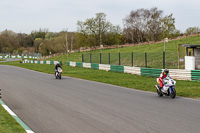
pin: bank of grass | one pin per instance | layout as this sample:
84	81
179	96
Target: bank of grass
8	124
2	60
171	49
184	88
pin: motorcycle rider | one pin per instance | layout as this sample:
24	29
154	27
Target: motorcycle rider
56	67
162	77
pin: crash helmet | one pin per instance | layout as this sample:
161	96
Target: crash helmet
166	71
57	64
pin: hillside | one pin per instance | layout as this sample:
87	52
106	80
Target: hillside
154	54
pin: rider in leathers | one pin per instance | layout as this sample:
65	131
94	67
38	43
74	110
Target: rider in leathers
56	67
162	77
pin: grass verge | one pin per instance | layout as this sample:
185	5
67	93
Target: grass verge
184	88
8	124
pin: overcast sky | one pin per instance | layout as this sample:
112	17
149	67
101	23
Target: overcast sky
27	15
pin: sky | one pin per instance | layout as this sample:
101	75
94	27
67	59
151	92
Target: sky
24	16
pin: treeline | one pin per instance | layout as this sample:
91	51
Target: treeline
11	42
142	25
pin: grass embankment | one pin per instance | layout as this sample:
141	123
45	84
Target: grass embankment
8	124
154	54
184	88
2	60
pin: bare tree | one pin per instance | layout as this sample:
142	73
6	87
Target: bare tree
143	25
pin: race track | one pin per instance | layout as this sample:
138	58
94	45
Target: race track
72	105
10	59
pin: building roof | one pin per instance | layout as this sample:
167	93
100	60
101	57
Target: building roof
191	45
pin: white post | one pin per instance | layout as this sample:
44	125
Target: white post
165	40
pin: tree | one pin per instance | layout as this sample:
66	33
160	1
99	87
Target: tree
8	41
153	24
96	31
192	30
24	40
49	35
148	25
168	27
8	33
37	43
135	25
39	34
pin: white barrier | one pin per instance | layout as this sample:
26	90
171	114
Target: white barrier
72	64
180	74
104	67
47	62
132	70
87	65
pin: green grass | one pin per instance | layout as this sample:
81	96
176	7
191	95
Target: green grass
2	59
8	124
184	88
154	54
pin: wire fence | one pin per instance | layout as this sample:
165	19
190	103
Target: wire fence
168	60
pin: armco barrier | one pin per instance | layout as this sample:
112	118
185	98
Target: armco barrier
116	68
151	72
174	73
68	63
79	64
94	66
195	75
51	62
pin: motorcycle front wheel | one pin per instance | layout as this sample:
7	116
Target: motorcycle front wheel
173	93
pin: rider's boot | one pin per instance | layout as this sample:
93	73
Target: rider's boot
160	88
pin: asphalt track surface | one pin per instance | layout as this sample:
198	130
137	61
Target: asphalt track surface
72	105
10	59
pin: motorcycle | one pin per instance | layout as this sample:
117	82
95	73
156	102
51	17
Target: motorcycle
168	87
58	73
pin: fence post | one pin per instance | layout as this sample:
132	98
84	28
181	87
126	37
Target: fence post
82	58
100	58
132	59
109	57
90	57
163	60
119	58
145	59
